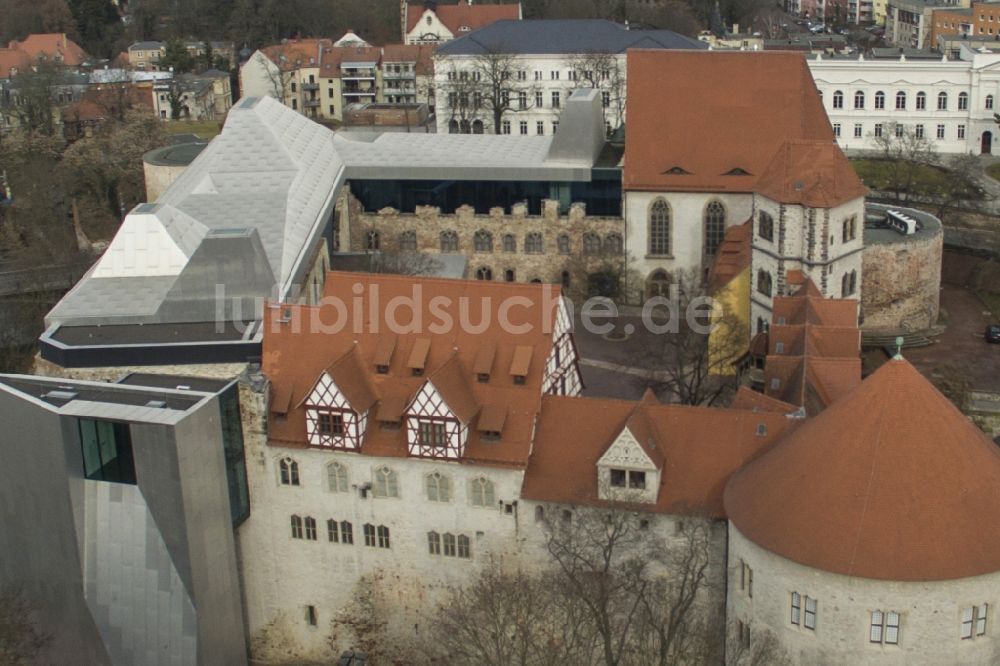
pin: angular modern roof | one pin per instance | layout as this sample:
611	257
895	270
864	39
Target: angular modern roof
244	215
563	36
710	139
464	15
297	351
700	447
891	482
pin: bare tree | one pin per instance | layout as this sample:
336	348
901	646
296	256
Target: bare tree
21	640
903	153
31	97
755	648
693	365
604	71
490	86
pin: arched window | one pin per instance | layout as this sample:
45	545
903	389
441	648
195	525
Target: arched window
386	484
434	543
591	243
764	282
715	227
477	126
859	99
564	279
989	102
613	244
900	101
659	228
449	544
509	243
850	229
942	101
374	240
563	242
482	241
449	241
453	126
508	275
310	528
838	99
346	532
408	241
481	492
849	283
484	273
963	101
296	527
336	477
658	284
880	100
438	487
464	549
539	513
533	243
289	472
765	226
464	127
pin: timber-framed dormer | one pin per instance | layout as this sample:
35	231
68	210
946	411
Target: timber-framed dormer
337	407
438	418
630	468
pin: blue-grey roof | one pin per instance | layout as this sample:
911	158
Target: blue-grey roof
556	36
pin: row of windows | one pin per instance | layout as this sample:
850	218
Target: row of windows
659	217
376	536
522	75
901	101
449	545
899	129
765	227
437	486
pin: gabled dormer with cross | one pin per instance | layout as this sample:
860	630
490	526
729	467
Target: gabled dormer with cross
338	406
438	418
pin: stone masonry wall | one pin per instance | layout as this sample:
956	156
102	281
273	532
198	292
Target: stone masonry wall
901	283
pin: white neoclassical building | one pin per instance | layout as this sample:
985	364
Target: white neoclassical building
950	101
867	536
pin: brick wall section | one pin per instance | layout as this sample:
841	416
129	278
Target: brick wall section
429	222
900	284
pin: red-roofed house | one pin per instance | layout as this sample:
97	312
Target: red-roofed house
433	23
699	163
51	46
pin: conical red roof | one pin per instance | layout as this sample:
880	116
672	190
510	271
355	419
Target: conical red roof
890	482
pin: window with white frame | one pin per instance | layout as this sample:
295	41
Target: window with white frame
900	130
989	102
940	131
836	130
336	477
523	126
376	536
296	527
942	103
555	99
961	131
803	611
340	532
386	483
434	543
963	101
838	99
880	100
310	525
918	131
878	129
382	533
505	127
288	472
438	487
628	478
809	618
481	492
884	627
449	545
900	101
540	127
974	621
921	101
857	130
539	97
859	99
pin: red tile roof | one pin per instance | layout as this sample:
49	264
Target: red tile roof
294	357
421	54
810	173
464	15
700	448
891	482
12	61
51	45
298	53
711	114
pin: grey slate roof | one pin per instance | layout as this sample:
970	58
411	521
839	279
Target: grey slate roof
558	36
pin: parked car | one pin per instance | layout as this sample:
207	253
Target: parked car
993	333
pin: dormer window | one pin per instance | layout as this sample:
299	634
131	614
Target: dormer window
330	423
418	372
490	436
628	478
676	171
432	434
382	369
519	380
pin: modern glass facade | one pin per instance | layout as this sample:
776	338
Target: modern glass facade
602	195
107	451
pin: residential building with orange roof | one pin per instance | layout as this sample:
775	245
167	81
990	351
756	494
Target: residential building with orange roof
55	46
869	531
431	22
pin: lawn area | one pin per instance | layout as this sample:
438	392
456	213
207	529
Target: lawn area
928	181
991	301
993	171
206	129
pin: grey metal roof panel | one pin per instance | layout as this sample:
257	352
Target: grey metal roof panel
100	299
559	36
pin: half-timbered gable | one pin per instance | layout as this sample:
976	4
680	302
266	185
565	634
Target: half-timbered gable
437	421
337	408
562	372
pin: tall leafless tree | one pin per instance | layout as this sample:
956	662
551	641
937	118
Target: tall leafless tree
904	153
488	86
605	72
